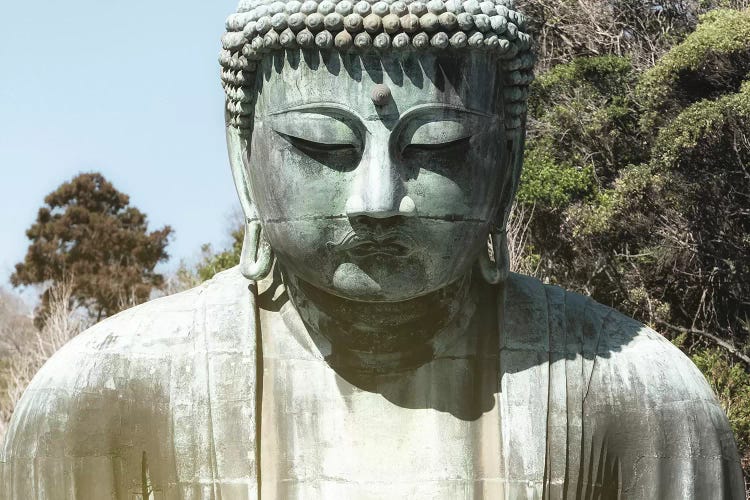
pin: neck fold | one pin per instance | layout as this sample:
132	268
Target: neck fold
382	337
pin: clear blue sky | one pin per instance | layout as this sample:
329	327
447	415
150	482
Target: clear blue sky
127	88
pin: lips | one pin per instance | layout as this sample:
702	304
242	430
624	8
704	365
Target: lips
365	248
364	244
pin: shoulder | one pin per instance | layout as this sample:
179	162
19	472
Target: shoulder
640	365
650	411
159	326
126	365
645	408
630	376
149	334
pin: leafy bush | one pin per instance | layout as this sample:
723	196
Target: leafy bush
213	263
731	383
698	135
585	113
550	184
210	263
710	62
660	230
706	152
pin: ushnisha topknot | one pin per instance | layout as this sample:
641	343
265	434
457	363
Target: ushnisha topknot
261	27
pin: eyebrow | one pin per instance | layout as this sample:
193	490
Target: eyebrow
422	108
323	106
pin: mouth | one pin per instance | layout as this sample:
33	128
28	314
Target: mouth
368	248
390	245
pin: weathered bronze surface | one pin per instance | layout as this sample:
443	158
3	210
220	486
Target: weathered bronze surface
368	346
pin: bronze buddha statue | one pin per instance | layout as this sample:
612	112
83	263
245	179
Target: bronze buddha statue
368	345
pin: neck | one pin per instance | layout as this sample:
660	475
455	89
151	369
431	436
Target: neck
382	337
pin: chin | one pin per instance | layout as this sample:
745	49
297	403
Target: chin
378	278
392	281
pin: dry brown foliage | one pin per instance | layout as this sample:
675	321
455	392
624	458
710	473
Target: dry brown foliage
517	232
639	29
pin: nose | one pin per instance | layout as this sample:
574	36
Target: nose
378	190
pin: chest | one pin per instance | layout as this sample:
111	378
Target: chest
431	432
323	436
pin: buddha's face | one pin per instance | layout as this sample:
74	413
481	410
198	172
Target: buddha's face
377	201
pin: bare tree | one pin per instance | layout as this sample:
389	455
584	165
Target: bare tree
25	349
517	232
640	29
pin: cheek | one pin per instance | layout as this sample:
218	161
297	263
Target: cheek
451	247
303	246
465	189
289	186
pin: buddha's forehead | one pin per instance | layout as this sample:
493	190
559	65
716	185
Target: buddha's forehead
292	79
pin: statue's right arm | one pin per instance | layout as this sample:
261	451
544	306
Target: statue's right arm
126	403
97	414
59	444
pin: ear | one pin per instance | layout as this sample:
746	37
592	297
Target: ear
236	149
497	272
256	258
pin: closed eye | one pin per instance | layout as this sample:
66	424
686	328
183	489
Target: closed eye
318	147
343	156
442	146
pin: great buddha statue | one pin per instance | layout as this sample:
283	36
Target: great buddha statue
371	344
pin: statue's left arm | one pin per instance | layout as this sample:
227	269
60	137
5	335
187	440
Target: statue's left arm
662	433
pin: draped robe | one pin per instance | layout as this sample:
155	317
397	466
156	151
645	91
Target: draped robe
221	393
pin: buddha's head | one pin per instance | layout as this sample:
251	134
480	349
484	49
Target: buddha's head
375	146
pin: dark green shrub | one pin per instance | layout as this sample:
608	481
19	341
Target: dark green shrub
710	62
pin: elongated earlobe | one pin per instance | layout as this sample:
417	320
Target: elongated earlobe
496	272
257	256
